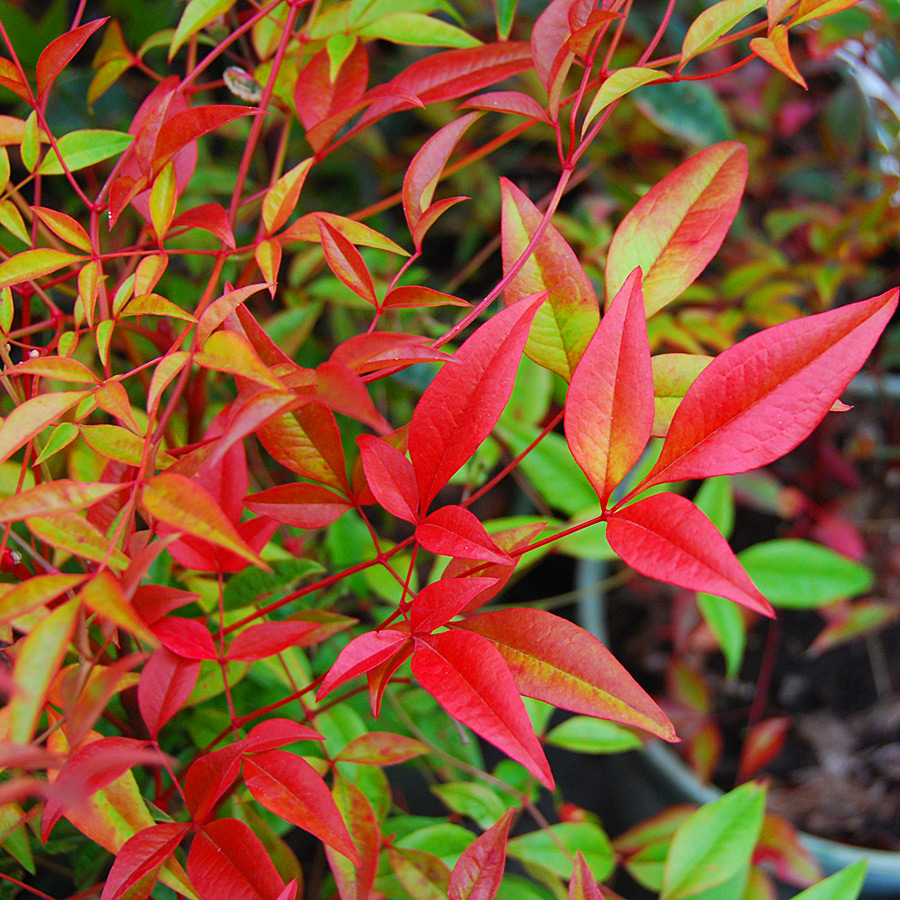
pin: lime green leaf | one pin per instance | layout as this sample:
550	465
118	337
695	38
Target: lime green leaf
197	14
795	574
844	885
619	83
418	30
714	844
552	848
584	734
83	148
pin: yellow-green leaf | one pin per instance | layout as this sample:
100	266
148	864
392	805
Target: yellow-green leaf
33	264
181	503
156	305
615	87
197	14
281	198
104	595
64	227
32	417
84	148
39	659
73	534
228	351
53	497
35	592
713	23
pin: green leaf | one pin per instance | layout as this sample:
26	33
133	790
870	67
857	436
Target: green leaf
619	83
197	14
713	23
714	843
477	801
505	11
687	110
727	624
584	734
418	30
795	574
544	848
716	499
843	885
251	585
83	148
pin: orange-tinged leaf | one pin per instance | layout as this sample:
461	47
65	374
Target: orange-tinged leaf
220	309
54	496
156	305
281	199
116	443
72	533
775	51
64	227
31	264
163	374
479	870
677	227
415	297
299	505
514	102
582	885
32	417
554	660
268	257
714	22
12	80
355	882
781	849
60	368
764	741
104	595
817	9
184	505
186	126
609	407
228	351
564	324
346	262
291	788
306	228
40	656
775	10
35	592
423	875
379	748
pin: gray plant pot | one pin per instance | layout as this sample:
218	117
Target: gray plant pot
643	782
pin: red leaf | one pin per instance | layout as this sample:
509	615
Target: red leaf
479	870
166	682
411	297
764	741
187	638
345	392
290	787
514	102
88	770
60	52
317	97
379	677
467	675
760	398
267	639
677	227
390	476
185	127
454	531
227	861
582	885
143	853
446	75
355	882
424	172
553	28
609	407
299	505
208	778
346	262
272	734
359	656
383	349
437	603
554	660
509	541
667	537
463	402
564	324
210	217
153	601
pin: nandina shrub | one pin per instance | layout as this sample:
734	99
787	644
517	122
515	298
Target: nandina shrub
249	440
